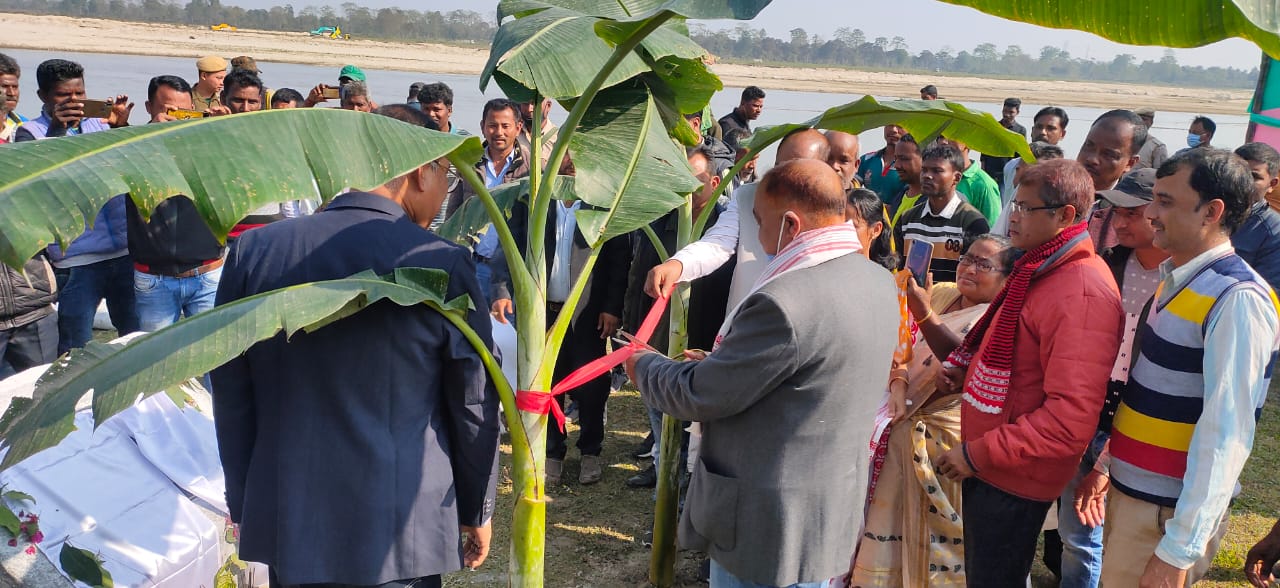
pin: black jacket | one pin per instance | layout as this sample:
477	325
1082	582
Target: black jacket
175	239
607	285
382	423
29	298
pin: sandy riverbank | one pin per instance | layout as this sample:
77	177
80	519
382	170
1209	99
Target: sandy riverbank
103	36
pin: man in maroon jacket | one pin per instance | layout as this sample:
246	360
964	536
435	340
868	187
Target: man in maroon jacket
1034	372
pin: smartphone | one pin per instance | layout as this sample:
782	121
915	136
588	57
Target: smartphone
919	254
97	108
183	114
330	93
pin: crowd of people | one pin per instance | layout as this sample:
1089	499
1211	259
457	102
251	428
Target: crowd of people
1092	337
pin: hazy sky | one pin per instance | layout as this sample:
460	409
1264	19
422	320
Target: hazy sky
925	24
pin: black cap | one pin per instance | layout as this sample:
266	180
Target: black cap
1133	190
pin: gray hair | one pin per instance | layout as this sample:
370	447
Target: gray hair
352	89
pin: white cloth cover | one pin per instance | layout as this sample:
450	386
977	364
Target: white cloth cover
145	490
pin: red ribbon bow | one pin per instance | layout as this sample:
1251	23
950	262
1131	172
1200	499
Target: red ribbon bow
544	403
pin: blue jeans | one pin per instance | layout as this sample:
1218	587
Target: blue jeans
86	286
721	578
1081	545
162	300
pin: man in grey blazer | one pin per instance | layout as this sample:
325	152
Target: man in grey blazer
356	454
788	396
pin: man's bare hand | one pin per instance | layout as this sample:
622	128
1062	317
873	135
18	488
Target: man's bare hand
950	380
66	114
1262	558
316	96
475	547
952	464
695	354
608	325
501	308
219	110
631	364
1162	575
1091	498
120	111
663	277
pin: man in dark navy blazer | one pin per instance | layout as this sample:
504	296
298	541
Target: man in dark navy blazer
354	455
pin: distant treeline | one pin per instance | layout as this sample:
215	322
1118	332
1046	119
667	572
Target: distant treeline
360	22
851	47
848	47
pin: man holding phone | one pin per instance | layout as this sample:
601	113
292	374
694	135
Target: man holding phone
96	265
944	220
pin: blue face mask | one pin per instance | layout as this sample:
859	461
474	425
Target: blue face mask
1193	140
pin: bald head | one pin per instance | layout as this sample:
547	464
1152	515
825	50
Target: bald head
809	187
794	197
844	155
803	144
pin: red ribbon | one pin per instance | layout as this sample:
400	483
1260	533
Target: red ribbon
545	403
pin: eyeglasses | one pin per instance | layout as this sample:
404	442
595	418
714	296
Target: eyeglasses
983	266
1021	208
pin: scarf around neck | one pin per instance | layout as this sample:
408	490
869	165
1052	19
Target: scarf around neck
809	248
987	387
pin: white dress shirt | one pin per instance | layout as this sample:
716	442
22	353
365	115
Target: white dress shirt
559	282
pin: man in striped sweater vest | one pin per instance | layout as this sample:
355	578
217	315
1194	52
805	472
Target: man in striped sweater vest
1186	422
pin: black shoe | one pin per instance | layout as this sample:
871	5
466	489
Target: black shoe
647	478
643	448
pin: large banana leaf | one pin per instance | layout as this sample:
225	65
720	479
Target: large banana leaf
1177	23
228	165
925	119
681	86
529	53
628	167
120	375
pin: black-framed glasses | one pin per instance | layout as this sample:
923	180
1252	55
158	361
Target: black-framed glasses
983	266
1019	207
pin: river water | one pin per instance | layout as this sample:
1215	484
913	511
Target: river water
108	75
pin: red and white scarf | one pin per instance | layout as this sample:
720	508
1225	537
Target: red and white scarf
809	248
987	387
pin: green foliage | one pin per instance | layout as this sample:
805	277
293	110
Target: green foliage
120	375
1179	23
226	576
16	496
465	225
84	566
924	119
54	187
386	23
9	521
629	171
528	52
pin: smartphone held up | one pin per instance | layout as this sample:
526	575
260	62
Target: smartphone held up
919	254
